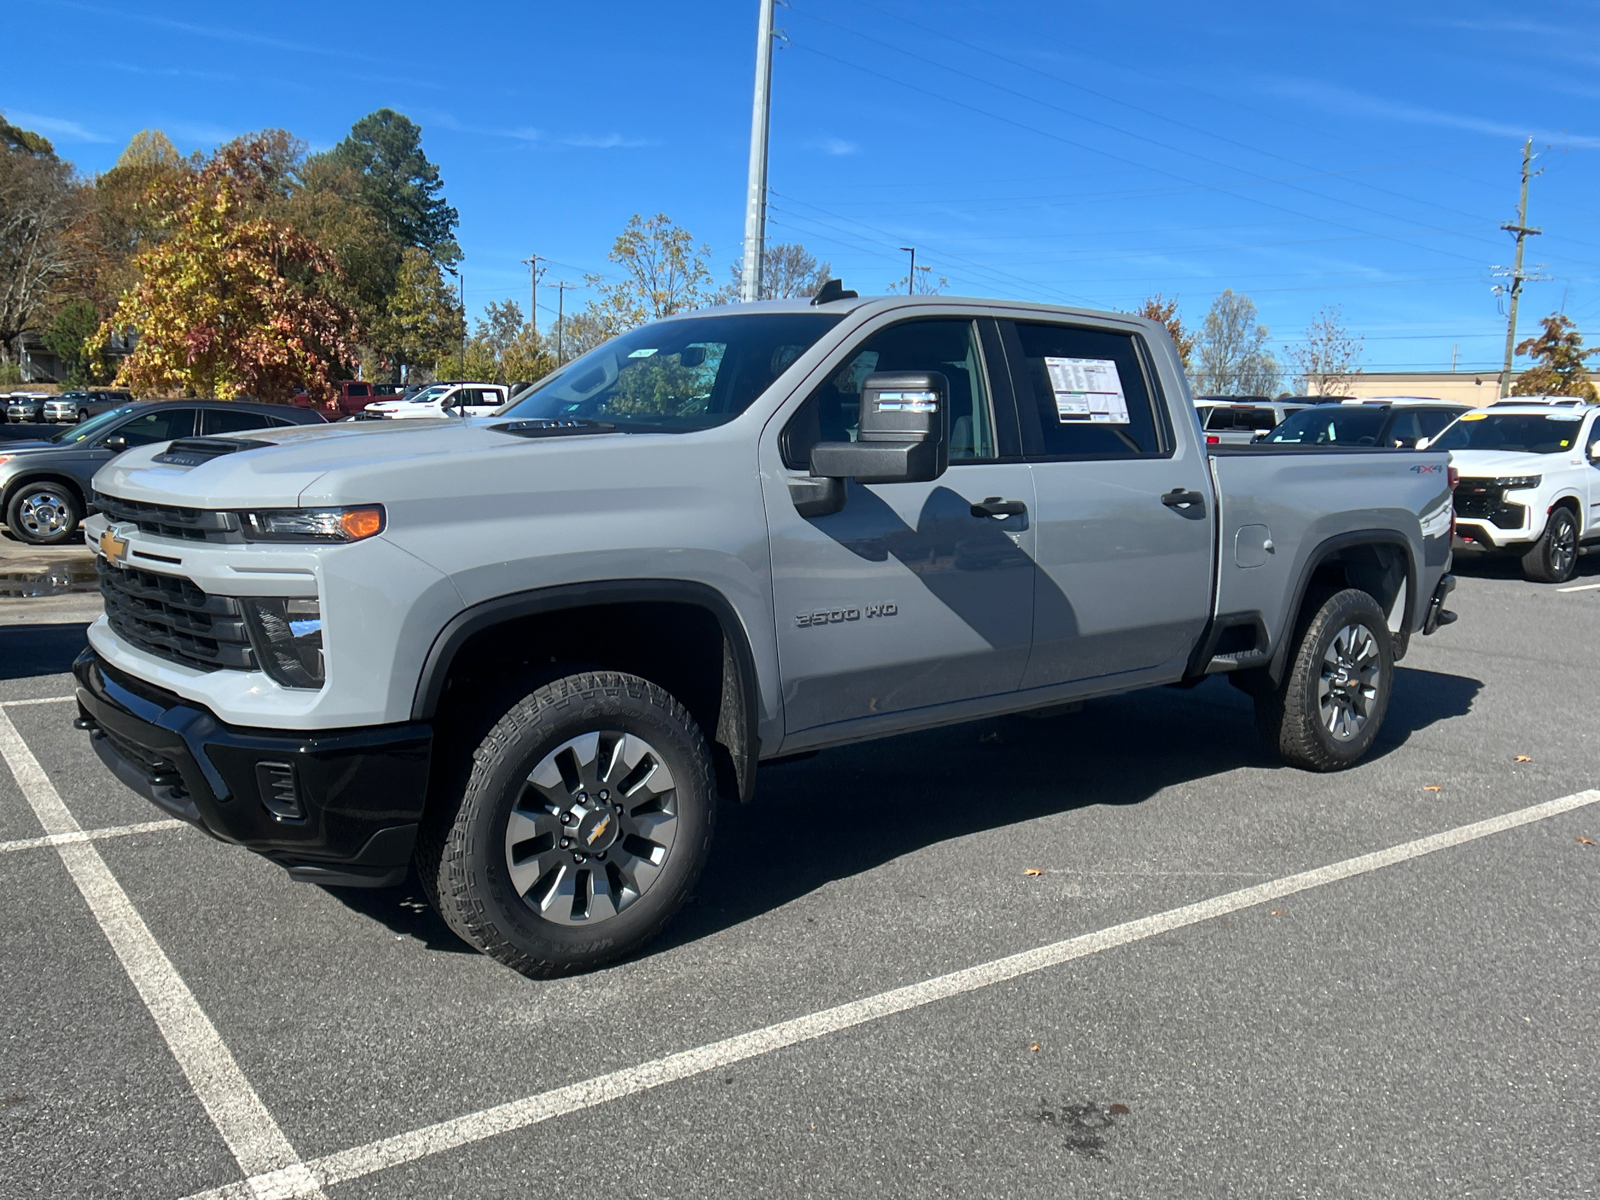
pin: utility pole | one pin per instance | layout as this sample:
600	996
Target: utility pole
533	261
911	279
462	280
755	205
1523	233
562	288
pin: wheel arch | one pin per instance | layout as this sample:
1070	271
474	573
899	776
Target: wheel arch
44	475
723	695
1378	561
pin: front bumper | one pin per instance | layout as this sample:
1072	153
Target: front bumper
359	792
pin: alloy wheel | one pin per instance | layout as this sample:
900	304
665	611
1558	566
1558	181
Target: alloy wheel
1563	547
592	828
1348	688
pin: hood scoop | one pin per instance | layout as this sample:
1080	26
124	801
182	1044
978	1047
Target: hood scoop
191	452
554	427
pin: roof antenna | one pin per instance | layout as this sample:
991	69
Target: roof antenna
831	291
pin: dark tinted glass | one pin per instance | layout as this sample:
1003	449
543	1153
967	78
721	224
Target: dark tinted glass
160	426
677	375
1529	432
1331	425
1082	394
948	346
233	420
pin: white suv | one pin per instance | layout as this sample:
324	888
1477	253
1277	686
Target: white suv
1530	483
443	399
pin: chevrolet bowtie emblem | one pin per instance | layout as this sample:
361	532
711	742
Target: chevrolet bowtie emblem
599	831
114	548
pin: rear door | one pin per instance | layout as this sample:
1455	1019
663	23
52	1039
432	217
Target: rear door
1123	522
911	596
482	401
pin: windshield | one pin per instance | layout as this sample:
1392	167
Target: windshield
73	396
92	428
1530	433
677	375
429	395
1331	425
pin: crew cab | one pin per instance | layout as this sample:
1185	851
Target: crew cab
528	652
1529	483
443	400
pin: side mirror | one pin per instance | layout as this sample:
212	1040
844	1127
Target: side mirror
1423	443
1594	452
115	442
903	435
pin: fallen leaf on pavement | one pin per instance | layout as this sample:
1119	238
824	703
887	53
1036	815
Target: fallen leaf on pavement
1522	758
1585	841
1035	1046
1119	1110
1033	871
1432	787
1277	912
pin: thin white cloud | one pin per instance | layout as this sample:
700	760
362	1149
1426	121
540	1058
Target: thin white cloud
55	128
217	33
608	141
836	146
1345	102
527	133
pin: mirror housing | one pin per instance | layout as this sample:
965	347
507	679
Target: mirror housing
114	442
1423	443
902	436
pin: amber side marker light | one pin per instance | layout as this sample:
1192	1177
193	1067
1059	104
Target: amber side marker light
359	523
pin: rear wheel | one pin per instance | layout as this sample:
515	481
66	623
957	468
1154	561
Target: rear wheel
580	829
1554	556
1327	714
43	513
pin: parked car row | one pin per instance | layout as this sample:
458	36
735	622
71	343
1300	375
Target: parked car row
77	405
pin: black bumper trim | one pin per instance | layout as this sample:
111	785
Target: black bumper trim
363	789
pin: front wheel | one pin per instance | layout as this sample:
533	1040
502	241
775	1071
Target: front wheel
43	514
1554	557
581	827
1332	703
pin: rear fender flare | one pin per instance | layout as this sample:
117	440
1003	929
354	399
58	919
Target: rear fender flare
1324	551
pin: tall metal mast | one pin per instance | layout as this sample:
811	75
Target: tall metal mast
755	208
1517	277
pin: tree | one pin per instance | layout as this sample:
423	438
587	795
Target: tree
423	323
14	137
1559	355
788	271
500	325
528	357
67	339
1234	359
1327	361
228	303
664	273
400	185
41	202
922	285
1159	308
150	148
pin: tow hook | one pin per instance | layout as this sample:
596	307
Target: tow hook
1438	615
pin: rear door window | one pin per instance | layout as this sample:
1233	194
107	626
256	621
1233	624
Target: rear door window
233	420
1083	393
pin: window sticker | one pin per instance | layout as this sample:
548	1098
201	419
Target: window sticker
1087	389
642	353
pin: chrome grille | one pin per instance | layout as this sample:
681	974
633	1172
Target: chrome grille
170	617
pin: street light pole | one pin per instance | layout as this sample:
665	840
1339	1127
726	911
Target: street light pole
755	205
562	288
911	279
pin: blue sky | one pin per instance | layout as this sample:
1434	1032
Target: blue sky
1091	153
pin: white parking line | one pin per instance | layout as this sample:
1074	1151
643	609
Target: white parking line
87	835
519	1114
257	1144
1582	587
41	700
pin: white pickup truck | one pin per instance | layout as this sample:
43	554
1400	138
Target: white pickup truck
443	400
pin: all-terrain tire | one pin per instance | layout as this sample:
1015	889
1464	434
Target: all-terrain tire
1554	557
1293	718
463	848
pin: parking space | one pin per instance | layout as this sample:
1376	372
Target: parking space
1415	1026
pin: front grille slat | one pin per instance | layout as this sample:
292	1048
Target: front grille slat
1485	500
172	618
171	521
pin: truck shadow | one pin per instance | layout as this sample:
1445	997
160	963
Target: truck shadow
27	651
855	808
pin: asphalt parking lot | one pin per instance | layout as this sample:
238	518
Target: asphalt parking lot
1121	953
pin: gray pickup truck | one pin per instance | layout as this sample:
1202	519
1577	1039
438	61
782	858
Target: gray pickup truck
529	652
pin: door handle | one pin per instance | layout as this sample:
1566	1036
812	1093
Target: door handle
1183	500
993	506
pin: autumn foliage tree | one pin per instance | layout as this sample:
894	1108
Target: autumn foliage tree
1159	308
1560	367
231	301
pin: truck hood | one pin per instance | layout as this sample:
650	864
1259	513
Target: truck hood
284	464
1482	464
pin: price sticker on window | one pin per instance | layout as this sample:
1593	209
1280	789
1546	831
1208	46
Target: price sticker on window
1087	390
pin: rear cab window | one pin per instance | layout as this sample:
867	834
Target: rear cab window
1085	393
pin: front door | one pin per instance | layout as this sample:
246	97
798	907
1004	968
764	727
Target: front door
1123	520
911	595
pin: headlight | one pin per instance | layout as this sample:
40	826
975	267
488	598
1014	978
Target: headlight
313	524
1513	482
287	635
